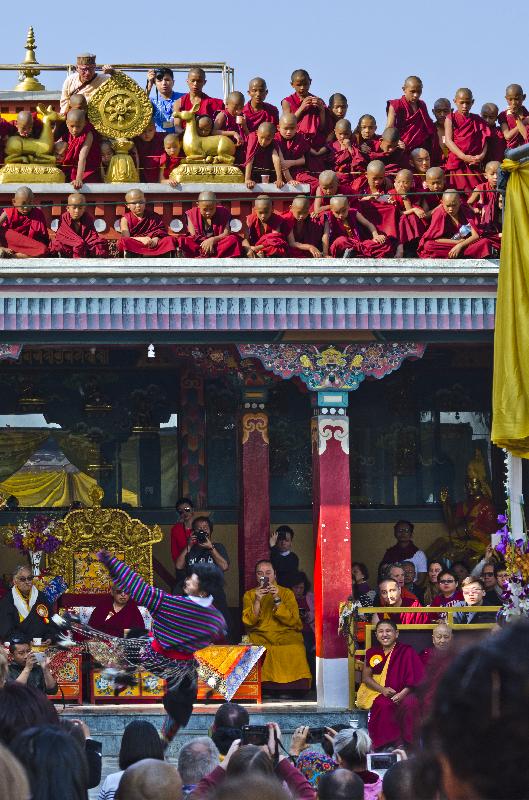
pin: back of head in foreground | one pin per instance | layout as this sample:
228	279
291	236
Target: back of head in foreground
227	725
250	787
397	783
150	780
140	740
342	784
55	763
479	726
23	707
197	759
14	784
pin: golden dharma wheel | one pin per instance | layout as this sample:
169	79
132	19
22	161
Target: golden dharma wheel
119	109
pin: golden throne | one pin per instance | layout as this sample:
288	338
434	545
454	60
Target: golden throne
83	532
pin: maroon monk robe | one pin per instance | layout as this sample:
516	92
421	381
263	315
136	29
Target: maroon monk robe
254	116
400	617
345	235
388	722
92	173
411	227
415	127
229	247
6	129
438	150
26	233
149	154
309	122
384	216
208	105
489	213
151	225
469	133
78	238
270	235
496	145
168	164
230	124
394	161
509	120
442	227
292	149
261	156
308	231
104	618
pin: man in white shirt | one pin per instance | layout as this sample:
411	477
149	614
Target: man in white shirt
85	80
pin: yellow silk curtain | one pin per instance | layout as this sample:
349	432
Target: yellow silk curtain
49	488
16	446
510	396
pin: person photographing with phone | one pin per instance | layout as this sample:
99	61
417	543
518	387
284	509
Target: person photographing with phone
271	618
30	668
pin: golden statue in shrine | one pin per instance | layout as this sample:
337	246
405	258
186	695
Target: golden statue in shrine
120	110
31	160
208	158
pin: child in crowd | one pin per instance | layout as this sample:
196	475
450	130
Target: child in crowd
420	163
196	80
292	148
231	122
143	232
76	102
377	207
328	183
171	158
453	232
81	160
304	233
23	229
410	116
148	151
266	231
256	110
204	125
337	110
262	157
208	231
466	137
496	144
436	183
486	201
342	232
412	216
390	151
107	151
76	236
438	149
514	121
310	111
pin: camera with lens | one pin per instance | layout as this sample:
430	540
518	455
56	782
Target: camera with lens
201	536
255	734
316	735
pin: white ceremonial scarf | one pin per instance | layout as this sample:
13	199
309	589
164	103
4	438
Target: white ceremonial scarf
201	601
21	606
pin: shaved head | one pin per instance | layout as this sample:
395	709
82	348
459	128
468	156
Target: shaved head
327	178
442	103
197	71
288	119
404	175
376	168
236	97
492	166
514	88
263	200
266	129
76	198
257	82
207	197
76	115
134	195
411	79
24	195
391	135
342	126
490	108
301	201
78	101
338	201
150	779
463	92
25	118
435	174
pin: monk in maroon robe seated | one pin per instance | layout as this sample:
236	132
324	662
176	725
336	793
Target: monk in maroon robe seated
378	207
209	233
26	125
436	184
342	234
304	233
196	80
453	232
116	614
310	111
496	144
514	121
266	232
411	213
76	236
389	150
328	183
256	110
171	158
142	231
231	123
262	157
23	229
438	149
346	158
390	595
292	147
410	116
467	138
148	151
81	159
393	670
486	201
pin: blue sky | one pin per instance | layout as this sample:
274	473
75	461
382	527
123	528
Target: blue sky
363	53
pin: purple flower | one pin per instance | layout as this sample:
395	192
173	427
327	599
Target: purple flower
502	518
51	544
519	543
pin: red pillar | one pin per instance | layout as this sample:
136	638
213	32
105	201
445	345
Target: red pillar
332	522
254	511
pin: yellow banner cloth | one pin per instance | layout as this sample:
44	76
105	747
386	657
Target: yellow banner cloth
510	394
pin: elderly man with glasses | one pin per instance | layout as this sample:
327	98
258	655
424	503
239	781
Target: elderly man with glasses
25	613
85	80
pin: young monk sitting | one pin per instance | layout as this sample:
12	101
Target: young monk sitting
514	121
420	163
231	122
23	230
496	144
209	233
412	216
262	156
304	234
148	151
76	236
342	233
327	187
27	125
345	157
365	135
143	232
204	125
266	232
336	110
453	232
438	149
310	110
292	147
107	151
435	180
410	116
76	102
466	137
82	156
485	200
171	158
389	150
196	80
378	208
256	110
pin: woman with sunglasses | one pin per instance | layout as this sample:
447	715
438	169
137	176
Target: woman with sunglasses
449	593
160	83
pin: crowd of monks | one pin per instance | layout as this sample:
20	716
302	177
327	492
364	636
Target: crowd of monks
423	187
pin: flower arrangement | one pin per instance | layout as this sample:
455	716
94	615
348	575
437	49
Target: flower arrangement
515	552
33	535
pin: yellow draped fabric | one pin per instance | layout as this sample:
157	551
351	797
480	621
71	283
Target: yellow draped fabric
279	630
16	446
49	488
510	396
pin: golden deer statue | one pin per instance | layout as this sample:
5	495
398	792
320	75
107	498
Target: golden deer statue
216	149
25	150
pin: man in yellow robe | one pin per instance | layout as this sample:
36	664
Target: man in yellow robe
271	618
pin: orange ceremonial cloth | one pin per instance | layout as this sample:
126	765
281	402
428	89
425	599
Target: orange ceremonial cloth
225	667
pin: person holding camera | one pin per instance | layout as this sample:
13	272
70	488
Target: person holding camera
182	530
160	83
29	668
284	561
271	618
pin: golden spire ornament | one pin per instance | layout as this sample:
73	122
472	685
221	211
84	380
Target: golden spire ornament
28	81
